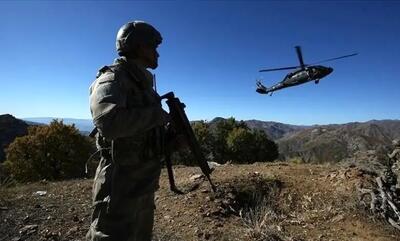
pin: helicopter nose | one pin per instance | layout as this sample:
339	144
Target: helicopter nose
327	71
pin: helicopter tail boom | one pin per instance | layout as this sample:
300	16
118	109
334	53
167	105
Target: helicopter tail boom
261	89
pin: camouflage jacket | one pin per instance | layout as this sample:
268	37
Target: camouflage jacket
128	114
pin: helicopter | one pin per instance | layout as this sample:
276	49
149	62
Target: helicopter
302	73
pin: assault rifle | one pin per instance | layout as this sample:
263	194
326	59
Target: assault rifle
181	125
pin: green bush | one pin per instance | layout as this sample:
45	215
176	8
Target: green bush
230	140
240	142
52	152
264	149
222	152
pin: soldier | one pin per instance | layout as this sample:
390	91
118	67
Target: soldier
395	159
127	113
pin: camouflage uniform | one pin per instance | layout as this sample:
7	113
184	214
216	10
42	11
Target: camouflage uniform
128	115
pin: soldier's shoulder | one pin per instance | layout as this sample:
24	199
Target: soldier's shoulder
107	70
110	73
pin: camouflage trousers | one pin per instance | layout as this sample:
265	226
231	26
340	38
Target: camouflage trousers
132	221
119	217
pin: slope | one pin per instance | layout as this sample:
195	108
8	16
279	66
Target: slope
276	201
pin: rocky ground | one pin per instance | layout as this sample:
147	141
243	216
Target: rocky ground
275	201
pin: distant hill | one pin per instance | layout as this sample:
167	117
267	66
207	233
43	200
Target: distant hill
84	125
275	130
359	142
10	128
317	143
333	143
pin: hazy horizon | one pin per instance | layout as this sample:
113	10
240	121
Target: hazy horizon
300	124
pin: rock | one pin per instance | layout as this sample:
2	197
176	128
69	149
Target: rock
43	181
198	232
338	218
40	193
196	177
29	229
213	165
71	231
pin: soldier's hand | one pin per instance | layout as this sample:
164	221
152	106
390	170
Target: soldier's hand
165	117
175	140
180	142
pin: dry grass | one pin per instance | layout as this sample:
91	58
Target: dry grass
259	215
7	182
158	236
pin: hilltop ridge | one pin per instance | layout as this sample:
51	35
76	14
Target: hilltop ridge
316	143
10	128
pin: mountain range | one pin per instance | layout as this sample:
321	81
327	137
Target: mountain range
332	143
84	125
316	143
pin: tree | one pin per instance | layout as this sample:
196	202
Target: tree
221	151
240	142
52	152
229	140
204	136
265	150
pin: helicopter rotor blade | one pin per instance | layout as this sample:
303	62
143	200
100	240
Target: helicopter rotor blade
341	57
300	56
275	69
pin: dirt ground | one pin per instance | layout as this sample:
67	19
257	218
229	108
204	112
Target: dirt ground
275	201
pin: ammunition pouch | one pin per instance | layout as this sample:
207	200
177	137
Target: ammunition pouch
134	150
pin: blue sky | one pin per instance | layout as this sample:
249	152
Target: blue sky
210	57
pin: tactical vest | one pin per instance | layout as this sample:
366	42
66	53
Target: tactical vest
140	153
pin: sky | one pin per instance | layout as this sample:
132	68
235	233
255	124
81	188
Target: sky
210	57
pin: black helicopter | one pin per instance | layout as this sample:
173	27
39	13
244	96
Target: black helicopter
303	73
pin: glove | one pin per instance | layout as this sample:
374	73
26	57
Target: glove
175	141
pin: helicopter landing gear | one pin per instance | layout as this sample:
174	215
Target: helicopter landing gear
317	81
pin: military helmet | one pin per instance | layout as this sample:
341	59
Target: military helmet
396	142
134	33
